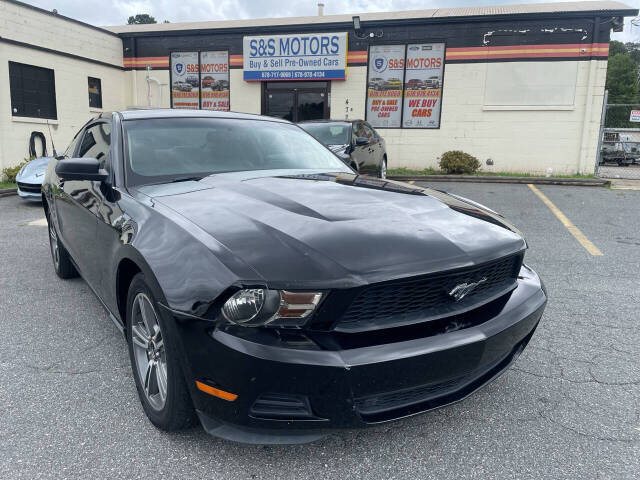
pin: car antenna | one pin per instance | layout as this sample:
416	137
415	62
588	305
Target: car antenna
53	147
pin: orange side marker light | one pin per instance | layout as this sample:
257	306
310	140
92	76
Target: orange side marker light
216	392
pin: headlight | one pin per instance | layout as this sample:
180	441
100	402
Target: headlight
22	170
256	307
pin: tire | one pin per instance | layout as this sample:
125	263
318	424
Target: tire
62	263
382	173
170	407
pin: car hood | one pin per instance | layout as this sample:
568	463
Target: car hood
340	230
34	170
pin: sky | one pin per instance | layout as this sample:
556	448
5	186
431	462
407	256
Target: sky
116	12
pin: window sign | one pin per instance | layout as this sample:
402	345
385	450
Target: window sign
423	85
309	56
185	81
214	81
384	85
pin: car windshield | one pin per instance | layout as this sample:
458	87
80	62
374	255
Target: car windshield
162	150
329	133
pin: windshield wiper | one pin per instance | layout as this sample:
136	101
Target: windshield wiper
186	179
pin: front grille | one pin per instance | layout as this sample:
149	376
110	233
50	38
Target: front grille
405	301
30	187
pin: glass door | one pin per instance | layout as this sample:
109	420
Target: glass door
311	105
296	101
281	104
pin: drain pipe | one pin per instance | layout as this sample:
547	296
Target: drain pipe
586	121
157	82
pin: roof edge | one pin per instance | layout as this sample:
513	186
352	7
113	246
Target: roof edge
608	8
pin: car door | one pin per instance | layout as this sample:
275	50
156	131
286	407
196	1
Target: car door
379	147
78	201
365	155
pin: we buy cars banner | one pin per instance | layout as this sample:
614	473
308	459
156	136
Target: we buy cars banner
214	80
185	80
384	85
423	85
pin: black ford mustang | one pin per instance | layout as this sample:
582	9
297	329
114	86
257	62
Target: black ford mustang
267	289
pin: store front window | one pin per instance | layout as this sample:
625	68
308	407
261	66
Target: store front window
296	101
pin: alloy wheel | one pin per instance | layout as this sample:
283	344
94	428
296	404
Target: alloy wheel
383	169
149	351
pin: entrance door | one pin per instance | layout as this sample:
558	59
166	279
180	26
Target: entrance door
296	101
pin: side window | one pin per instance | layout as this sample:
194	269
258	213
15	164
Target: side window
368	131
68	153
374	134
362	130
96	143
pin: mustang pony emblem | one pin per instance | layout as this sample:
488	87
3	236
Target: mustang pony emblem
460	291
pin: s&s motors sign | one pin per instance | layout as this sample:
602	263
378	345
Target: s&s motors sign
309	56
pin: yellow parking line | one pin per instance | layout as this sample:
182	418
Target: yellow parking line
625	187
575	231
42	222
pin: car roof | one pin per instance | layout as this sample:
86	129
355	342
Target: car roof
140	114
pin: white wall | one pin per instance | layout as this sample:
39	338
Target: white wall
245	96
517	138
72	97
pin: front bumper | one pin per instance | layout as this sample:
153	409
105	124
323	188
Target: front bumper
354	387
29	190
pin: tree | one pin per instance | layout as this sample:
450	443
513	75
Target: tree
622	82
141	18
622	74
616	48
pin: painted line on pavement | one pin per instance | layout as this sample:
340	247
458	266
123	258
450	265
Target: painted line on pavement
625	187
41	222
573	230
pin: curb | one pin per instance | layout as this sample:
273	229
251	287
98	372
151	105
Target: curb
8	191
584	182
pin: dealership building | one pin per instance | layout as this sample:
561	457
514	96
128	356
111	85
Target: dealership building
520	87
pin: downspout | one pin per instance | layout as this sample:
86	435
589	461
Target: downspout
149	80
586	122
134	96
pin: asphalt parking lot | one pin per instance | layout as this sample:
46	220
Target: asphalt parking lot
569	407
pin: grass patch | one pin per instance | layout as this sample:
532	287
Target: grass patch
4	185
433	171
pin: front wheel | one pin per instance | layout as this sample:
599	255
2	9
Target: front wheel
61	259
154	361
382	173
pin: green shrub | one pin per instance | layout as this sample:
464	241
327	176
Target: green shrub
10	173
456	161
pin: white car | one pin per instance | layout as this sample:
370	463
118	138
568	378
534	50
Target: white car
29	179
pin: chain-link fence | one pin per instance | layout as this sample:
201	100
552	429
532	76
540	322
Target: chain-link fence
619	142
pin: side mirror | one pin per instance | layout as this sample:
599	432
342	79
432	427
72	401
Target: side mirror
360	141
80	169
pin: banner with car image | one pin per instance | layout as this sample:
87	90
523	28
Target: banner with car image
214	80
384	85
185	80
423	85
